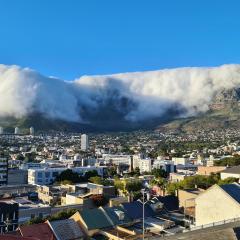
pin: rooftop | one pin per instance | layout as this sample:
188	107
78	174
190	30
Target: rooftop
41	231
235	169
66	229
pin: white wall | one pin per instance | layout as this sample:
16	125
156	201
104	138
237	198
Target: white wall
215	205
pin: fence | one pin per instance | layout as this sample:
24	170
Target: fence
213	224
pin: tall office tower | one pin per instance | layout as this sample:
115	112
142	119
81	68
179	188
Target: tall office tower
1	130
4	171
17	130
31	131
84	142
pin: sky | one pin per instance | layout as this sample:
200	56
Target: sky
71	38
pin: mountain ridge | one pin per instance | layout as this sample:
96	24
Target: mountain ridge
224	112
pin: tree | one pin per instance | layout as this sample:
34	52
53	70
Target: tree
90	174
133	186
70	176
99	200
20	157
57	216
172	188
229	161
101	181
159	173
160	182
62	215
111	171
228	180
119	185
96	180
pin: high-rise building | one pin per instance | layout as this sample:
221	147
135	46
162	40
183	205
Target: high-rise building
1	130
17	130
3	171
84	142
31	131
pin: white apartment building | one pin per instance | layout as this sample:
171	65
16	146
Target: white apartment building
180	160
84	142
145	165
116	159
45	176
136	159
16	130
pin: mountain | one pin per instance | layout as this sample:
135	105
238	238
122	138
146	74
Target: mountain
223	113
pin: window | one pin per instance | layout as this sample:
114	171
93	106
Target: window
39	174
55	174
47	174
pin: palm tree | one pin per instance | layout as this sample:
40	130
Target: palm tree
159	182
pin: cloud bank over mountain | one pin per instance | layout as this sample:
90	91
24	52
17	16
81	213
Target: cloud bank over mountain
133	97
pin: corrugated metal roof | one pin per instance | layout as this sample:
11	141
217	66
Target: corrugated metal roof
114	212
95	218
66	229
233	190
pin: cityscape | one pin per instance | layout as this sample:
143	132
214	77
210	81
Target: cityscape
119	120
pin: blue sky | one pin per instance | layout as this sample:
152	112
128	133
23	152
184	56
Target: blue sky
70	38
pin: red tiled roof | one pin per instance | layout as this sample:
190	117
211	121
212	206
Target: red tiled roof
15	237
41	231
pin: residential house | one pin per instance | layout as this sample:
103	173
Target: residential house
187	197
66	229
92	221
40	231
107	191
135	210
117	215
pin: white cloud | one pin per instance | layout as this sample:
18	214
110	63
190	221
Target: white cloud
23	91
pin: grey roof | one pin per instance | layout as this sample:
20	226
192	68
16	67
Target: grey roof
66	229
113	212
233	190
235	169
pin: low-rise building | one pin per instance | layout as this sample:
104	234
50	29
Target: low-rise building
217	203
92	221
66	229
45	176
79	198
187	200
107	191
145	165
231	172
180	160
177	177
207	171
17	176
39	231
8	216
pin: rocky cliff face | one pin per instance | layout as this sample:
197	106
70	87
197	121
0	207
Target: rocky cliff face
226	99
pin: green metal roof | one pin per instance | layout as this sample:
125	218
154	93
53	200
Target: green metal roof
95	219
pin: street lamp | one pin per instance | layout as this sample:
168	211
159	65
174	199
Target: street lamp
144	191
